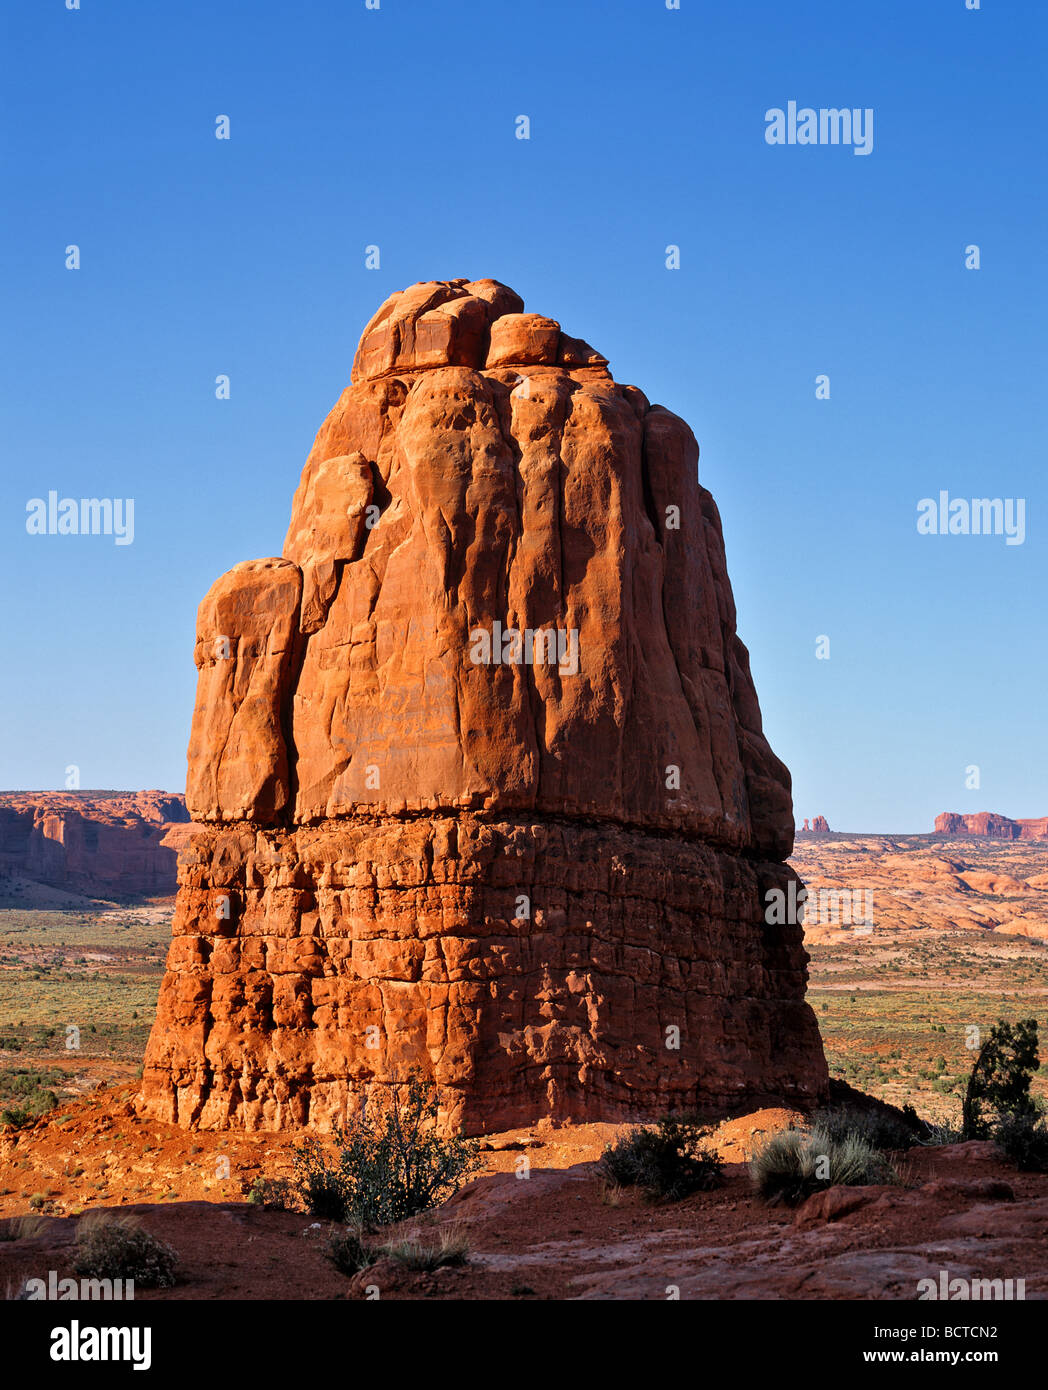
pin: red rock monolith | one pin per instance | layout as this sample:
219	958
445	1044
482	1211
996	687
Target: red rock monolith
480	765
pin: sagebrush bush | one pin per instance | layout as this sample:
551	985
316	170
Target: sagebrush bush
667	1162
325	1190
1024	1138
387	1165
450	1248
25	1095
116	1247
936	1135
23	1227
15	1116
272	1194
795	1163
880	1129
349	1251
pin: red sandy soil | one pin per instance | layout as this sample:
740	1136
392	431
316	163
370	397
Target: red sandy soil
555	1233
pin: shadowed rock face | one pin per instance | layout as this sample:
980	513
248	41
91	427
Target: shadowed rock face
483	764
100	844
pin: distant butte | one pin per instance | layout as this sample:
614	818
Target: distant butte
990	824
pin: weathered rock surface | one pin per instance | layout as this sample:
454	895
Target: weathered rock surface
246	627
482	764
988	823
100	844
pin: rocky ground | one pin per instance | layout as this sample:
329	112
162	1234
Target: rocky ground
538	1221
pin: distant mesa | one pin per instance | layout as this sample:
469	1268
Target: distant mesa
99	844
992	825
819	826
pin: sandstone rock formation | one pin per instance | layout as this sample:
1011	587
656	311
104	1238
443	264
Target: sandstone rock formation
481	765
988	823
100	844
819	826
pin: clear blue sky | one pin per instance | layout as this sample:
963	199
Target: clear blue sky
396	127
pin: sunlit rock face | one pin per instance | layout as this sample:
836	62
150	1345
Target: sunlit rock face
480	766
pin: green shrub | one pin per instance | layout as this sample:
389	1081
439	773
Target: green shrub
327	1192
388	1165
27	1095
1000	1081
1024	1138
795	1163
116	1247
667	1162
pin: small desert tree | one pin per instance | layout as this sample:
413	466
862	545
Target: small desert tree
1000	1080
